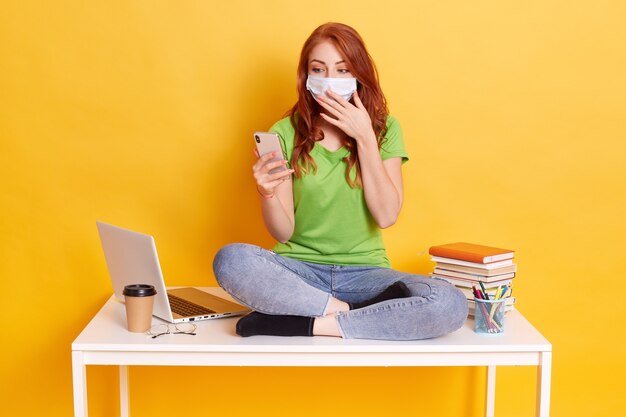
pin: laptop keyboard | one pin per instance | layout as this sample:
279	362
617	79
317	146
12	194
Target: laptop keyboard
187	308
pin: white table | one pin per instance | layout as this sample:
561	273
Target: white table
105	341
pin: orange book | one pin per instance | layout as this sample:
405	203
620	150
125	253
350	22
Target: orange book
471	252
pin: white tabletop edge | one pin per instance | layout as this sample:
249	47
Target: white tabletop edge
107	333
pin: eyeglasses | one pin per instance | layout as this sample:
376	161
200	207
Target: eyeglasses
178	328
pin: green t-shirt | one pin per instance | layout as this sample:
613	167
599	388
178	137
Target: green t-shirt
332	222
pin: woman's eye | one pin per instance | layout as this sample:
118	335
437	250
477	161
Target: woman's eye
343	71
317	70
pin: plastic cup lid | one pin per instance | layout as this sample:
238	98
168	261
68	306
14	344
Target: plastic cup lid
139	290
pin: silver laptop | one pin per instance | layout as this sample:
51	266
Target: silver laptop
132	259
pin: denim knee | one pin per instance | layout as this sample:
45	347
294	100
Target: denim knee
227	258
455	306
449	308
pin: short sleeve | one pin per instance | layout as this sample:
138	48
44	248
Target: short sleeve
393	143
286	134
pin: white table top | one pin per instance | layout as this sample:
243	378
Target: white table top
107	332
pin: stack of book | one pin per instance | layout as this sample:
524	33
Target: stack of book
466	265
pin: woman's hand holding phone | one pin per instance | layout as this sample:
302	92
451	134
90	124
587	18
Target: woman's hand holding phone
270	168
265	180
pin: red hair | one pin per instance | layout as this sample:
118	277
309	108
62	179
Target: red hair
306	111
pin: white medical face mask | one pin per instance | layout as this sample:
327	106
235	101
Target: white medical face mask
318	86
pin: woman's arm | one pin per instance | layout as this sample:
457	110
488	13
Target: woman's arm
382	180
276	195
382	183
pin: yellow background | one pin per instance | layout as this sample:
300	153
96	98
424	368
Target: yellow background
139	113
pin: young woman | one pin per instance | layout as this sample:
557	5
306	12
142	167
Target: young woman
329	273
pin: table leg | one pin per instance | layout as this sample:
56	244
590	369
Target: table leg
124	395
79	384
544	371
491	391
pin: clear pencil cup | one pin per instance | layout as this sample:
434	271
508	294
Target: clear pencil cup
489	316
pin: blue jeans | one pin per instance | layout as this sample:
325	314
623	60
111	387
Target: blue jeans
272	284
